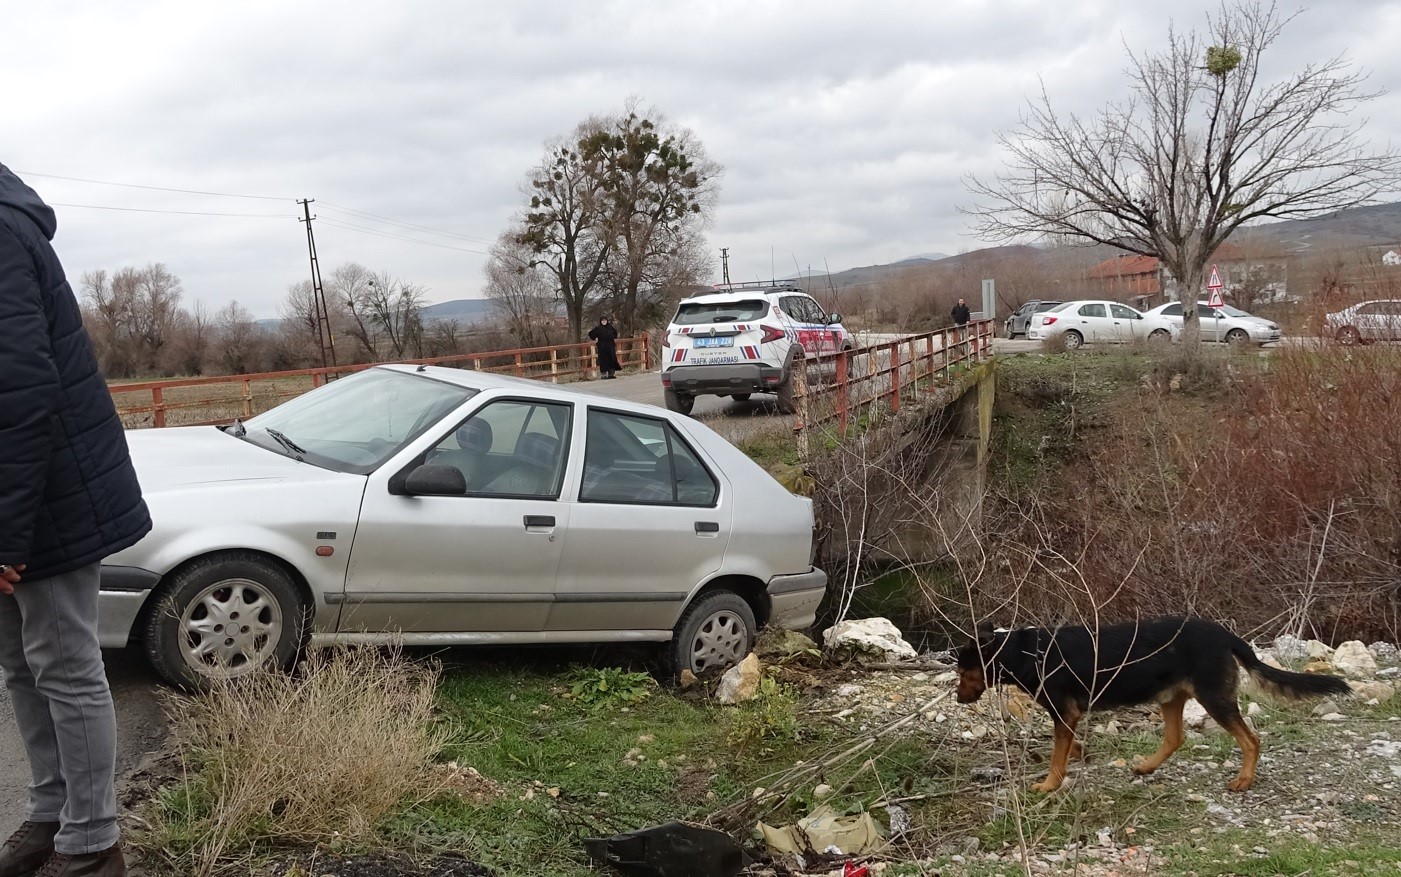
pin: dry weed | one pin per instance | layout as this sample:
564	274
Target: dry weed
318	757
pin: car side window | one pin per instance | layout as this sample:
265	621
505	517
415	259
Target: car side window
1173	310
1091	310
793	307
642	460
510	448
1207	312
1369	309
815	312
1122	313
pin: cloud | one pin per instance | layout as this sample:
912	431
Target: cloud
845	129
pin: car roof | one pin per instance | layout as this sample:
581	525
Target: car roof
484	381
730	296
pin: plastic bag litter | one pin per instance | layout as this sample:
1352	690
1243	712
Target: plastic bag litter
823	829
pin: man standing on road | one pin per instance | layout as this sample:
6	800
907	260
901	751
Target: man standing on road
68	498
961	316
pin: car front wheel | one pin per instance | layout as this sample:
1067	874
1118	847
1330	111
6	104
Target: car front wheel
223	617
1237	337
715	632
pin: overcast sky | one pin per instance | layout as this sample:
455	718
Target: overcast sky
845	129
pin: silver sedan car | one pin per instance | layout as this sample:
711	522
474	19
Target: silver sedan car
1224	323
434	506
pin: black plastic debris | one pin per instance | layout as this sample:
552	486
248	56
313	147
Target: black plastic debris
671	850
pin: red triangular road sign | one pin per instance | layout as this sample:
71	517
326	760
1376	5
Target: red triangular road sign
1215	301
1215	281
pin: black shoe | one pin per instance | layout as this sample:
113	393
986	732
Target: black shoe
27	849
106	863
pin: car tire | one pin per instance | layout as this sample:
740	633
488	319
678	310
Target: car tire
1237	337
1074	340
237	587
679	402
1348	336
1160	336
716	631
740	397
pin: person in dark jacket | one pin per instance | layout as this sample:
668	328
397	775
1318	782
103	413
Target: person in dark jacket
961	316
68	498
605	338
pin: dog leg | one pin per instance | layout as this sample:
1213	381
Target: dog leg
1172	735
1227	715
1077	751
1060	754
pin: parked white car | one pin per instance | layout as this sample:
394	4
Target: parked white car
1366	322
1099	322
742	340
1225	323
435	506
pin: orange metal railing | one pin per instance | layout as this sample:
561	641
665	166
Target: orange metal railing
204	401
837	386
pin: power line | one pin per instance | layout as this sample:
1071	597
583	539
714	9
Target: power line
325	205
176	212
360	229
153	188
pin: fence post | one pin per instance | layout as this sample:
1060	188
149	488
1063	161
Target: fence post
317	380
646	352
895	377
158	403
914	370
247	399
841	393
804	413
554	365
948	365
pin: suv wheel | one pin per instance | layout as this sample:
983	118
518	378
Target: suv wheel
715	632
679	402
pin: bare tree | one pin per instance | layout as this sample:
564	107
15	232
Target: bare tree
349	287
395	308
135	313
564	223
188	354
521	298
1202	145
239	340
659	188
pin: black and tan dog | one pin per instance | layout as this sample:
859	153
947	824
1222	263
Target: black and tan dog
1071	670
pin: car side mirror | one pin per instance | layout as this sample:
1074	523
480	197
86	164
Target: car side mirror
431	480
833	319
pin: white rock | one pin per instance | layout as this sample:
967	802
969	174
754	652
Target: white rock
1384	653
1318	651
740	682
1354	661
822	792
1194	715
1254	710
849	689
1325	707
1333	717
1289	649
868	640
1373	690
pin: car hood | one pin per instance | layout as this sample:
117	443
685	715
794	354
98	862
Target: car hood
190	456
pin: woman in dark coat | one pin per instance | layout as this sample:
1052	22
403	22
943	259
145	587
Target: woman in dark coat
605	338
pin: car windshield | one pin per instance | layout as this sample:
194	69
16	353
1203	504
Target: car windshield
1232	312
694	313
356	423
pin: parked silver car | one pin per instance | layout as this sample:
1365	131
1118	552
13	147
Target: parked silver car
1366	322
438	506
1020	320
1099	322
1225	323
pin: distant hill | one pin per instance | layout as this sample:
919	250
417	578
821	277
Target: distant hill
926	257
463	310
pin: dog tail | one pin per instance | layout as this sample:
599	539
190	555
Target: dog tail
1283	683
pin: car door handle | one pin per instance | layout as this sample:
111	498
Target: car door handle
707	527
539	521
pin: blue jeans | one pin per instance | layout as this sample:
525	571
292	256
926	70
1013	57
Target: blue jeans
57	683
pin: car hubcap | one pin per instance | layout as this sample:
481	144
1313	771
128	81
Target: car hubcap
230	629
719	642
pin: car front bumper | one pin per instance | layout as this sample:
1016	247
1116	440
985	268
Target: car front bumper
723	379
795	598
122	591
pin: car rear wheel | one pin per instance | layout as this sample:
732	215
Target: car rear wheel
224	617
1348	336
1160	336
679	402
1074	340
715	632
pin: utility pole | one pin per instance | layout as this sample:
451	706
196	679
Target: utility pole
324	336
725	261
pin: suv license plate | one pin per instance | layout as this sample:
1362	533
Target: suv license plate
717	341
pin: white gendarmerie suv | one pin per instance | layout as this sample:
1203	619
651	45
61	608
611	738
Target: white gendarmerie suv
745	338
436	506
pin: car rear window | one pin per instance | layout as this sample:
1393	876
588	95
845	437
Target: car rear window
695	313
1046	305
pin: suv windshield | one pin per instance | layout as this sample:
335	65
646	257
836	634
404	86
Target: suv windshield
694	313
355	423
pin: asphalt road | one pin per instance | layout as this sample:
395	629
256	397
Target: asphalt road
141	730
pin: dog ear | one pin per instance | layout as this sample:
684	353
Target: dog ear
985	633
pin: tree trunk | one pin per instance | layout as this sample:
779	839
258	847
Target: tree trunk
1187	290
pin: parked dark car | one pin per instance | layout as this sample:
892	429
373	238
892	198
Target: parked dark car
1019	321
